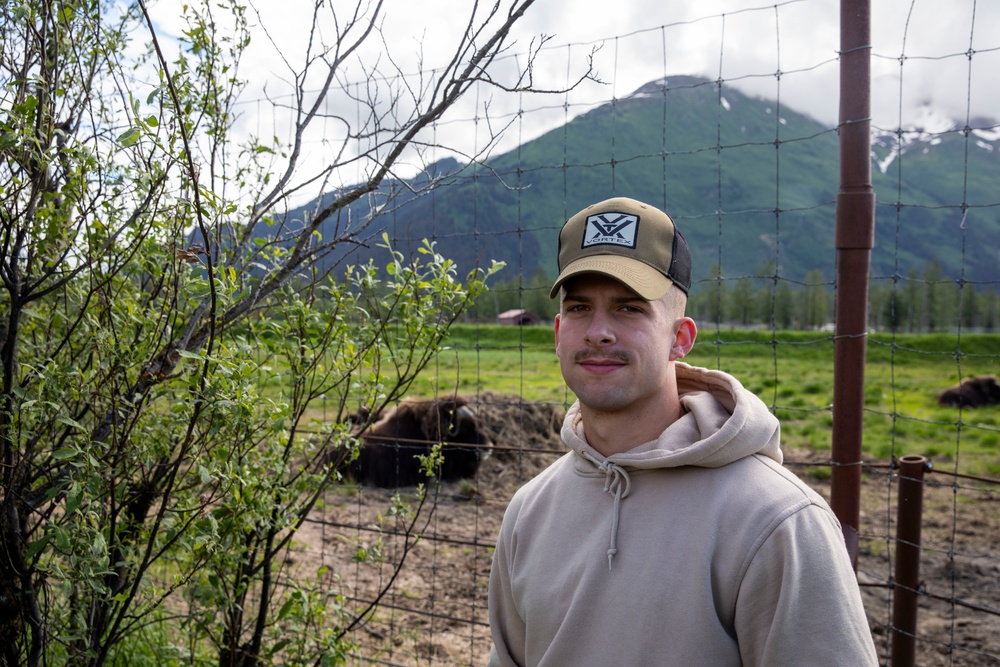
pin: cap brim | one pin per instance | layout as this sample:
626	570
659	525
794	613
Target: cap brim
641	278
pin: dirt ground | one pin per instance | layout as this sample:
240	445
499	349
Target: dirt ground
434	612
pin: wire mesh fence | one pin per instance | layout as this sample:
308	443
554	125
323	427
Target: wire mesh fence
752	178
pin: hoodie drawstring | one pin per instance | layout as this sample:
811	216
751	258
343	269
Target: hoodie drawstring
618	483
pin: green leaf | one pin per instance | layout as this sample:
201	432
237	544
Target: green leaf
62	539
31	312
285	609
73	498
129	137
7	140
63	454
36	546
68	421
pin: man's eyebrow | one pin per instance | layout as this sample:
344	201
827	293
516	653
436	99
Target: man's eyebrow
620	299
629	298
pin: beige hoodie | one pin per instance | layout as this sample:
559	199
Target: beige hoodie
697	548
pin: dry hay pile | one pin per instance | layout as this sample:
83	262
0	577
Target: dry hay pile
435	610
526	440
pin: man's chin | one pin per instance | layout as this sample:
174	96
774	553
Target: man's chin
604	401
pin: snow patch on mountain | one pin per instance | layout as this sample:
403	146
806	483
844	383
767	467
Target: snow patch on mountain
927	128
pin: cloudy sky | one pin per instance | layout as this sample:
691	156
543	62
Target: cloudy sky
640	39
921	53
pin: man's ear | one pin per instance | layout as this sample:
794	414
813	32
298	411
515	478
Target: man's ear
685	331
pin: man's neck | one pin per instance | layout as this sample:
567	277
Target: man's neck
616	432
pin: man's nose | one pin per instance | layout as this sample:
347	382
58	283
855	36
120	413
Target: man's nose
601	329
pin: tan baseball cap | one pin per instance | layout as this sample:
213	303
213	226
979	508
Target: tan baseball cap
634	243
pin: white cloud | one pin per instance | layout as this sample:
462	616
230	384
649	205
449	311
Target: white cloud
922	55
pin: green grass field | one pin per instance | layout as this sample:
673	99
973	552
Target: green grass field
792	372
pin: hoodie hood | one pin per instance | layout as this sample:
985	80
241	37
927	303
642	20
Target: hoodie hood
722	423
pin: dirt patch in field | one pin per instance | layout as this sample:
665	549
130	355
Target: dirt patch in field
433	610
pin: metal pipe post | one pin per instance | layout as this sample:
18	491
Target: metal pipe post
855	234
906	584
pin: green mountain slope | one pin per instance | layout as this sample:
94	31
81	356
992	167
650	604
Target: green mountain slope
749	184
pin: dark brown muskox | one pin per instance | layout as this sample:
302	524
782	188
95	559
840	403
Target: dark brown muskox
972	392
391	445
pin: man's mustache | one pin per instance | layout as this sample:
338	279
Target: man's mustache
610	355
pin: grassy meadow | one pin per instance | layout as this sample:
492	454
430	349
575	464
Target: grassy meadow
792	372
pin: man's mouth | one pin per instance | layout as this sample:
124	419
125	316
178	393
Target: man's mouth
601	363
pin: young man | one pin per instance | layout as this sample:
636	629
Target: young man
669	534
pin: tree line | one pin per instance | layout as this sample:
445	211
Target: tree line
919	302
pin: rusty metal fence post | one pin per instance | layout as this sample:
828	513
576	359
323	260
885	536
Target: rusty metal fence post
855	233
906	583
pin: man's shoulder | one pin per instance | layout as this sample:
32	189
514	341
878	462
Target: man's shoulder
545	482
755	485
782	479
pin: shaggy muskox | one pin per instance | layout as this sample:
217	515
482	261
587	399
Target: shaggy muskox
391	445
972	392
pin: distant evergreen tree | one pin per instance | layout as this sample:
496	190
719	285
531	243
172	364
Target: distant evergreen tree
765	286
742	308
784	307
815	304
970	306
879	306
988	307
934	301
715	297
911	302
536	296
